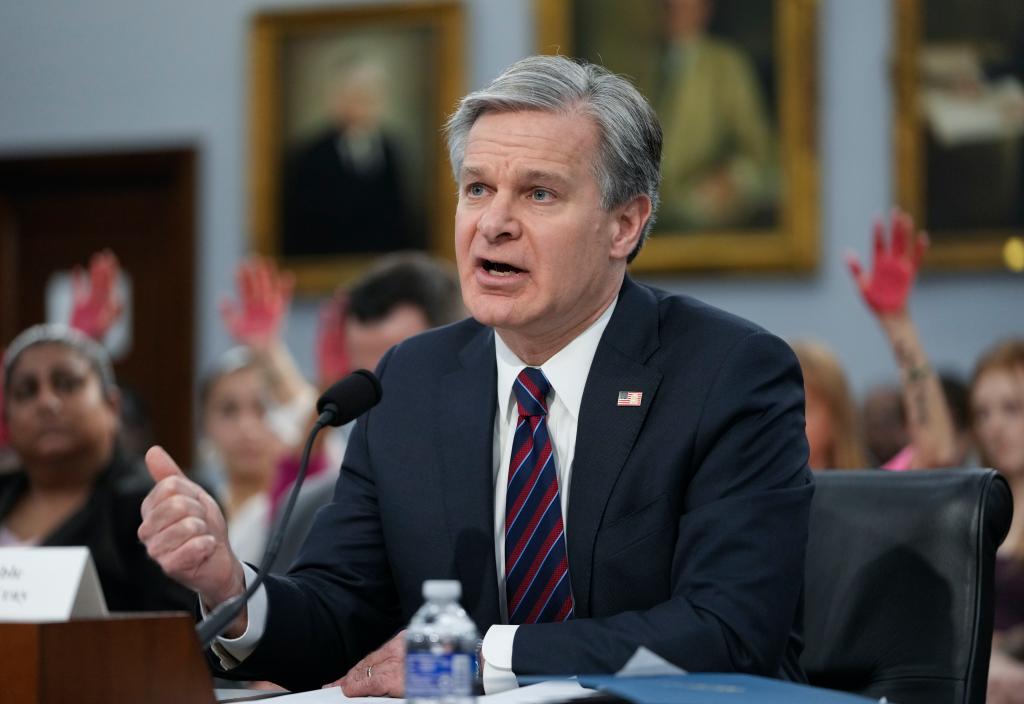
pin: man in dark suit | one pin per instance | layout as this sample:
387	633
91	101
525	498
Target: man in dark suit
654	445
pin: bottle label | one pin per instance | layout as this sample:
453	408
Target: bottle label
442	675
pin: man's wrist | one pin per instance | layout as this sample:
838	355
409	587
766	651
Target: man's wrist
234	587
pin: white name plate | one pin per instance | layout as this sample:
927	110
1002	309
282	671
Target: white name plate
49	584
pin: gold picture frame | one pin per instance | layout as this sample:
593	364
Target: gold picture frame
965	188
779	234
334	183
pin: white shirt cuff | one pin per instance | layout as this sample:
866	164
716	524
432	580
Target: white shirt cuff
497	654
232	651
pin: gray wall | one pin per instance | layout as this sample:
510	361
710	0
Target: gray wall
120	74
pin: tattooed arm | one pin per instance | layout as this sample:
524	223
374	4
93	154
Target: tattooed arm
886	289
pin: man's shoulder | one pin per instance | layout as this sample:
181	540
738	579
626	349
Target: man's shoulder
439	348
683	316
697	337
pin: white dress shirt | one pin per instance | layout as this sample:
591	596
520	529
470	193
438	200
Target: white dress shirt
567	372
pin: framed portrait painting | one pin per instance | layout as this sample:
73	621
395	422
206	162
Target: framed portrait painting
347	160
733	83
959	126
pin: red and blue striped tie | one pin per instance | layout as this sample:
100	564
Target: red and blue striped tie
536	566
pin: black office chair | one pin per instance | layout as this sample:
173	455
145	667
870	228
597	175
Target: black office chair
899	582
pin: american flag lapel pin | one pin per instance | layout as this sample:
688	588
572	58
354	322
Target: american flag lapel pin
630	398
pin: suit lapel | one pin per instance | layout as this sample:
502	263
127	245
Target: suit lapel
465	426
607	432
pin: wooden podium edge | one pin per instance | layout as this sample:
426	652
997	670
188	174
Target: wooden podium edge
151	658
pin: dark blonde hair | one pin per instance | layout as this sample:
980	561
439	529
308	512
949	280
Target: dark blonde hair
823	372
1007	355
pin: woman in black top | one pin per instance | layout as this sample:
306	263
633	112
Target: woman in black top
72	486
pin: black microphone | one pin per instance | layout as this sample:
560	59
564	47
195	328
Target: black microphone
344	401
349	398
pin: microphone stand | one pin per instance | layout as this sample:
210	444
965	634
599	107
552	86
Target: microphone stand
221	617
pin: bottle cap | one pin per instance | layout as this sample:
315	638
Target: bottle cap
442	589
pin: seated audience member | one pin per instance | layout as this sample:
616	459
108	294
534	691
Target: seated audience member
830	415
997	407
95	306
400	296
73	485
957	397
8	460
233	402
669	433
886	290
884	423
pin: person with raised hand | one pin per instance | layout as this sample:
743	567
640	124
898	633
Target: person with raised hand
333	359
95	307
257	320
885	288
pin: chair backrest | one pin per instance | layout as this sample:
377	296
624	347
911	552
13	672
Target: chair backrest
899	582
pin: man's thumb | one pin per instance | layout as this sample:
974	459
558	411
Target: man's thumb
160	464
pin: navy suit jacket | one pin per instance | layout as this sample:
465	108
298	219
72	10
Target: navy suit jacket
687	517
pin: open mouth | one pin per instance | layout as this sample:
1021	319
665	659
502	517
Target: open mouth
500	268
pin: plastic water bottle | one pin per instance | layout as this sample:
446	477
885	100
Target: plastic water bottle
440	648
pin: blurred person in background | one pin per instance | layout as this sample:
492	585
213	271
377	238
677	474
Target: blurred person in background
236	436
886	289
95	307
957	396
997	407
73	485
830	414
401	295
884	423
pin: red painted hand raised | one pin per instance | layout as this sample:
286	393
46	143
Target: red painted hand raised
331	344
94	302
264	295
886	287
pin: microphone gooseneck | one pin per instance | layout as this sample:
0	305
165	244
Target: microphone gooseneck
343	402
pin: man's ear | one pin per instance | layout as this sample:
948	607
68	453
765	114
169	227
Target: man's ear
630	220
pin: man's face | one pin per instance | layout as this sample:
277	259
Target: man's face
367	342
539	258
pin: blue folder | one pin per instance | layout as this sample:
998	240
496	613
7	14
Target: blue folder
715	689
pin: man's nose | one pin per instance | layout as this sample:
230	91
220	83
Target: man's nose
500	219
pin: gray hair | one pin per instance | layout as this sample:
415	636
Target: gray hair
60	334
629	132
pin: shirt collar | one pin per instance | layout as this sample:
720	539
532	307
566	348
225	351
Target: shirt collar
567	370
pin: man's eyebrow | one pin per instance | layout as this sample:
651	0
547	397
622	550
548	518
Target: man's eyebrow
534	175
530	175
